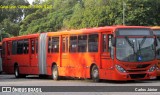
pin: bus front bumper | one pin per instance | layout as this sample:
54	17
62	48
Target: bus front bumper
134	76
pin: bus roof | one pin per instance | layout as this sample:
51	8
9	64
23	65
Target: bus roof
21	37
155	27
109	29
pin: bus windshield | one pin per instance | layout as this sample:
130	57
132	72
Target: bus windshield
135	49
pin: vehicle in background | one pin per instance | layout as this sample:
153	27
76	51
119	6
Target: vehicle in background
111	53
156	31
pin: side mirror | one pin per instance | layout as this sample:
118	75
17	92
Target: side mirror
113	41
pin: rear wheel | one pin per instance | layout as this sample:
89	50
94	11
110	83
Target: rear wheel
55	72
95	73
16	71
17	74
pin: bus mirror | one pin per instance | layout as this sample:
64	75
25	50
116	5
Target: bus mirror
113	41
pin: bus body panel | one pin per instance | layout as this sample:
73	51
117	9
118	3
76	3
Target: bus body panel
74	64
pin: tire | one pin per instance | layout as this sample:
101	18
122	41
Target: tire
95	73
17	74
55	73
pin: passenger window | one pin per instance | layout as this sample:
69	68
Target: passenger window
8	48
104	41
36	45
26	47
110	47
93	43
55	44
73	44
109	42
49	44
14	47
20	47
65	44
32	46
82	43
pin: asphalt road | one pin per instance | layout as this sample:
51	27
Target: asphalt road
11	81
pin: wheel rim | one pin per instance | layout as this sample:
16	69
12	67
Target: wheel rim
16	72
95	73
54	74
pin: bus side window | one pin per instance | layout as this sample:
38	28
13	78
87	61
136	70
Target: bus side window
49	44
93	43
26	47
20	47
63	44
104	41
55	44
73	44
32	46
14	47
8	48
82	43
36	45
110	47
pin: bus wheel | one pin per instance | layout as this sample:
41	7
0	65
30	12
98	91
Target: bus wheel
55	72
95	73
16	72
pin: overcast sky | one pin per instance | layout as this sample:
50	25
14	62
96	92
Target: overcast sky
30	1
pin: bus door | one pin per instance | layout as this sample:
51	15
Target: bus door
34	51
65	55
8	54
106	54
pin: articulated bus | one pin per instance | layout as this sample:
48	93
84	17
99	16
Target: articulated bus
156	31
112	53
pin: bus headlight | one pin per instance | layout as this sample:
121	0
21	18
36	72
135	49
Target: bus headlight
120	69
152	68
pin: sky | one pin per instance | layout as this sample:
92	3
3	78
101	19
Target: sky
30	1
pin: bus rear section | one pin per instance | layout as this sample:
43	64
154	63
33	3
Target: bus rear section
20	55
156	31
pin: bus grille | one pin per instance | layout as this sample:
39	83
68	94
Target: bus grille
142	65
134	76
136	70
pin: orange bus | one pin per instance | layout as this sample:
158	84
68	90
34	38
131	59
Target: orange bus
156	31
111	52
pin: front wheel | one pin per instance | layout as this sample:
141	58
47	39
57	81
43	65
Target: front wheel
55	72
95	73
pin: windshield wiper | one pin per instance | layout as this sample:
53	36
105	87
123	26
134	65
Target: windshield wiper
130	43
141	43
